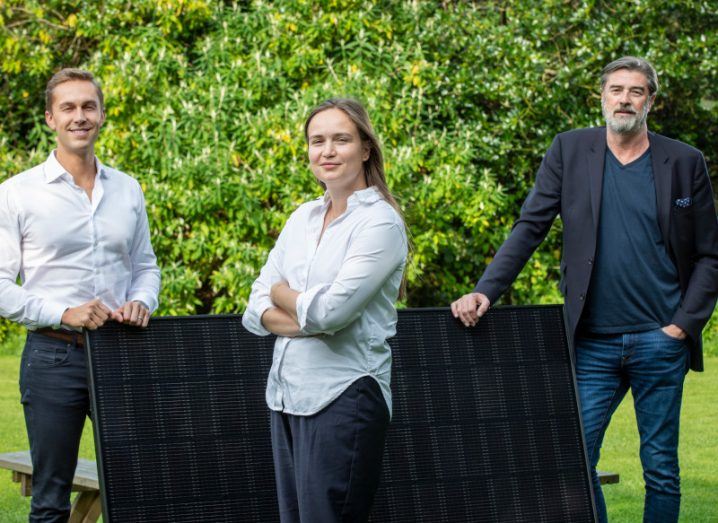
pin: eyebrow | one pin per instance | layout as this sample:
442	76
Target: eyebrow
621	86
72	104
335	135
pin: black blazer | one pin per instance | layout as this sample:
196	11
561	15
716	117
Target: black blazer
569	182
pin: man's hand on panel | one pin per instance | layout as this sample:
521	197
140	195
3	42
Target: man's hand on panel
91	315
470	307
132	313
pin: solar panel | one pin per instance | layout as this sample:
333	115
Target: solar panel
485	426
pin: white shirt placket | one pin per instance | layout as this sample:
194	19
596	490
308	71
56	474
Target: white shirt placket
98	277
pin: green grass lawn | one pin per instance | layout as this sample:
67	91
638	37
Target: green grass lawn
698	450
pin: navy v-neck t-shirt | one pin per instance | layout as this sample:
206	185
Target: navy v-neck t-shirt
634	285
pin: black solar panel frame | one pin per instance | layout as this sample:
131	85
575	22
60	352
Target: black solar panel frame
382	512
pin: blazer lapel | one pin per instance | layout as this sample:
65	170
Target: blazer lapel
662	179
596	158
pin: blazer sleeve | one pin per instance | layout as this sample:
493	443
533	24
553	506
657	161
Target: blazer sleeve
699	299
537	214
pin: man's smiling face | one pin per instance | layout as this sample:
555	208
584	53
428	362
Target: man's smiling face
76	115
625	101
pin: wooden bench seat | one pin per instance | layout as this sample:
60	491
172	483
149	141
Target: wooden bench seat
607	478
87	506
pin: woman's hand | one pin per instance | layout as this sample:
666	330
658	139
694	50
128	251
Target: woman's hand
279	322
275	289
284	298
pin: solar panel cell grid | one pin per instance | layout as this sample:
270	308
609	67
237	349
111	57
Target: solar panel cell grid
485	424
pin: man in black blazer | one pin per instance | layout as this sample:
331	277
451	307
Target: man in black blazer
639	271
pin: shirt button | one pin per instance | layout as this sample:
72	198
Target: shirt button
581	297
590	261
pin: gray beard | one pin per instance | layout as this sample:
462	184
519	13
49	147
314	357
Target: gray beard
625	125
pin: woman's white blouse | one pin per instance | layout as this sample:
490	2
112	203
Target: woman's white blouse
348	283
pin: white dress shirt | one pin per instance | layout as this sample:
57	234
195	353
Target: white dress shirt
69	250
348	283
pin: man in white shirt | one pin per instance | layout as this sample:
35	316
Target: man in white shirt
77	235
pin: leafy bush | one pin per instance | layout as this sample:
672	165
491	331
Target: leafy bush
206	101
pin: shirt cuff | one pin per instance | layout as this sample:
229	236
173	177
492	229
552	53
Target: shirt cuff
305	301
252	318
51	315
146	298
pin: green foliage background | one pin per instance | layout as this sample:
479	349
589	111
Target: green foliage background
206	101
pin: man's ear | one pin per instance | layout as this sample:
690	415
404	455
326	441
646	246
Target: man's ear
50	120
651	100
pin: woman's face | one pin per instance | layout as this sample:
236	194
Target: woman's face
336	152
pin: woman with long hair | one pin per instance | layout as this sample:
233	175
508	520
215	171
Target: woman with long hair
328	291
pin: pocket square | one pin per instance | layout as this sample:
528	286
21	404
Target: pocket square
684	202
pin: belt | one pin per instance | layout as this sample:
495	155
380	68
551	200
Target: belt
74	338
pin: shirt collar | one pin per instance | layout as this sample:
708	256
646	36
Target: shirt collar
53	169
366	196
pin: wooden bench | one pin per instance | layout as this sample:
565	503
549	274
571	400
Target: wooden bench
87	506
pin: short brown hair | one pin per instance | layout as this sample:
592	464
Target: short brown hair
68	75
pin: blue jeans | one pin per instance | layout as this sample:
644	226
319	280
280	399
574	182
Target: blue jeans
55	398
653	365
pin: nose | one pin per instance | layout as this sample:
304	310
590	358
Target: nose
328	150
79	115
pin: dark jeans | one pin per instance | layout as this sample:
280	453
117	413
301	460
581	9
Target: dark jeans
653	365
327	466
53	388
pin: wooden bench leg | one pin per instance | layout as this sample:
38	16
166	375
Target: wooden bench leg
86	508
95	510
25	481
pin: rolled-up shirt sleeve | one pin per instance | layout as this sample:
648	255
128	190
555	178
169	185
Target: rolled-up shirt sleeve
373	256
16	303
145	285
271	273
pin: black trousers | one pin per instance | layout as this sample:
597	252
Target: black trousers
327	465
55	398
